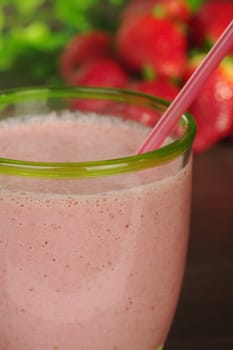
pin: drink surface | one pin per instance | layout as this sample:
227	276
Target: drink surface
88	263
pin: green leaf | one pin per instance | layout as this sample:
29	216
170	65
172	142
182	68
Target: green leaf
74	13
36	33
5	62
1	19
27	7
6	56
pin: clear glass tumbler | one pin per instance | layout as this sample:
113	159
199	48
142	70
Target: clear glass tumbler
93	238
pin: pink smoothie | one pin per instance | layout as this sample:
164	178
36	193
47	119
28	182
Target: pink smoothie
88	264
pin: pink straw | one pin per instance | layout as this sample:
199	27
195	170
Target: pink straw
189	91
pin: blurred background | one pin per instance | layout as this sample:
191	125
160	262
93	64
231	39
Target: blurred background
152	46
34	32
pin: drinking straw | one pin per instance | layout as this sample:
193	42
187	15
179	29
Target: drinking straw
187	94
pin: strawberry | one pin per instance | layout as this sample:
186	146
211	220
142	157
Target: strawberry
161	88
145	115
99	72
152	43
210	21
172	9
83	47
213	108
104	72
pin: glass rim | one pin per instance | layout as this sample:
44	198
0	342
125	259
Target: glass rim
101	167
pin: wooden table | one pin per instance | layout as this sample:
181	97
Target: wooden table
204	318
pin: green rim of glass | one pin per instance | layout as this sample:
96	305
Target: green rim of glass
102	167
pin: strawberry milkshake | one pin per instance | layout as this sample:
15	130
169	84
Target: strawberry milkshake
88	262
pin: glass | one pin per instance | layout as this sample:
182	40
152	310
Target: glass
93	238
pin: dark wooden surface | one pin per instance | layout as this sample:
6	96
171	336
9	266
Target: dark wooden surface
204	317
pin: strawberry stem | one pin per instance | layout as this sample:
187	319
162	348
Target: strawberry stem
194	5
149	73
159	11
160	348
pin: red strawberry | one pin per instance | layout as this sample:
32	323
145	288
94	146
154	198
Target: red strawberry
99	72
83	47
103	72
211	20
173	9
213	108
146	115
157	43
161	88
